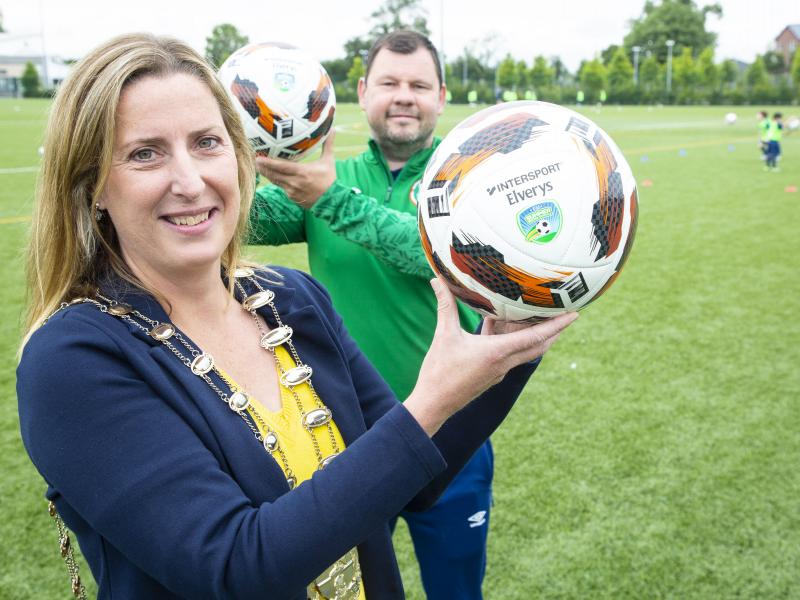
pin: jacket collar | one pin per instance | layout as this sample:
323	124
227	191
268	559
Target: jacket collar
419	157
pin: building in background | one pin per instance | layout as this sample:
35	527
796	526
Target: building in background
12	66
16	51
787	43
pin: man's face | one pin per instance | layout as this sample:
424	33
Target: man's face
402	99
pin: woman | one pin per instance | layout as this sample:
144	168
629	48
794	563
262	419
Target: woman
271	469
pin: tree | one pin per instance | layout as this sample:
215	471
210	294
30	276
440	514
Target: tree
224	40
542	76
355	73
708	75
679	20
620	77
337	69
593	78
651	79
522	75
608	54
728	73
560	72
507	73
795	70
774	63
31	86
756	74
399	14
1	22
684	77
759	87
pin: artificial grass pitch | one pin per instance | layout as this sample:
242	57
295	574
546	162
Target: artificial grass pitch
653	455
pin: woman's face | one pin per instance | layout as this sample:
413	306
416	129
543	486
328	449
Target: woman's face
172	192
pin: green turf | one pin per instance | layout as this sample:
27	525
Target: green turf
654	455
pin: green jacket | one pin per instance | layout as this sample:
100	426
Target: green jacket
363	245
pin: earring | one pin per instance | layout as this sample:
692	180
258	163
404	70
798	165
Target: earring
98	212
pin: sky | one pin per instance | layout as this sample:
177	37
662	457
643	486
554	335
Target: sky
572	29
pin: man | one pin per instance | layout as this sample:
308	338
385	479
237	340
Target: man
358	217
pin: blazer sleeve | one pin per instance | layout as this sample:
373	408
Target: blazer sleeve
458	438
141	477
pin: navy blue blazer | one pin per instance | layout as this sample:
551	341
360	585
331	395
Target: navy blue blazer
170	495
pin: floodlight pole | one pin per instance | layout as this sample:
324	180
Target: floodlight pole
441	38
636	50
45	74
670	44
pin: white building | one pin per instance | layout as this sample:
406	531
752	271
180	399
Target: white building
16	51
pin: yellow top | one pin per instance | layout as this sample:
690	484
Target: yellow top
294	439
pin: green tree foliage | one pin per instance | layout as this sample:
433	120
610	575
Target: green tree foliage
469	68
224	40
542	75
337	68
708	75
684	77
399	14
795	71
651	79
357	46
523	81
679	20
620	78
774	63
560	72
593	77
759	86
756	73
31	85
728	73
608	54
507	73
355	73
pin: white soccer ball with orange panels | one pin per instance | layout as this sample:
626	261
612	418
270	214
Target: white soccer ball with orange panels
528	210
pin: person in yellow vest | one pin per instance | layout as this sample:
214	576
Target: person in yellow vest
763	132
774	135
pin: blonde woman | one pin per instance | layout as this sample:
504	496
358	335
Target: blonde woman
209	429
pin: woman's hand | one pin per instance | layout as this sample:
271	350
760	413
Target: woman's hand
459	366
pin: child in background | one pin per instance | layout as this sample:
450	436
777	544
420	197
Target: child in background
774	142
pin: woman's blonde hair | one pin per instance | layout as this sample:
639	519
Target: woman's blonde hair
69	249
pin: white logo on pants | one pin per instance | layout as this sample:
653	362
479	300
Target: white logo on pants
478	519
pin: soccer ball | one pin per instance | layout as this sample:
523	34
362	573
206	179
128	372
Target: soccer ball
527	210
793	123
284	98
730	118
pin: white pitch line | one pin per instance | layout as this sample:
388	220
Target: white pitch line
12	170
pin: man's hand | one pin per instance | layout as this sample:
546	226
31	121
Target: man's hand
304	183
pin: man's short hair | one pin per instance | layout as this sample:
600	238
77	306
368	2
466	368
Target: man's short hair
404	41
777	115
